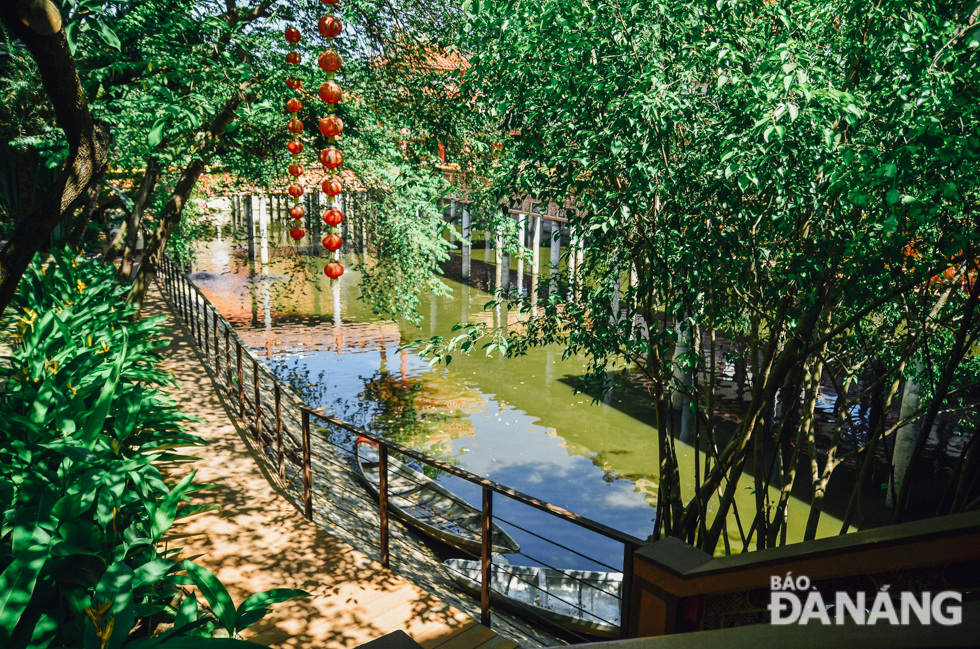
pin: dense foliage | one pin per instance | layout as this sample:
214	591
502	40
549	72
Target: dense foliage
86	508
787	186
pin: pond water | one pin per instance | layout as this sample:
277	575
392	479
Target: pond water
518	421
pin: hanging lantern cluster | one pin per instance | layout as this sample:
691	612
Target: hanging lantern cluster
295	147
331	127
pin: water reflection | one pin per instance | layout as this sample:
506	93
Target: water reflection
518	421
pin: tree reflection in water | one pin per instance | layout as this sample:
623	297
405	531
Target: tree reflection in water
397	407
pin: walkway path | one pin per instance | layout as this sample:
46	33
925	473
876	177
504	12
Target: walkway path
257	540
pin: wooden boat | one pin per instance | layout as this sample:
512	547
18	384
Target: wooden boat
582	601
428	506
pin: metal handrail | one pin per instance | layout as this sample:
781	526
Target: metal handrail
531	501
191	304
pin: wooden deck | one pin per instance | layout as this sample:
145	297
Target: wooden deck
258	540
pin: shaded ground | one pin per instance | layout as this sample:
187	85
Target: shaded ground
258	539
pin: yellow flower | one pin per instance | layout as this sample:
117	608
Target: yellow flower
52	366
102	631
81	286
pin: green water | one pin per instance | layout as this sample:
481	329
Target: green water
519	421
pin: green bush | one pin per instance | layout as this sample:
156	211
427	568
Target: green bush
84	505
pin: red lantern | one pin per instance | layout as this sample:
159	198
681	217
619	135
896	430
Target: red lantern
295	126
295	190
297	212
297	233
330	26
294	58
332	242
330	2
295	84
294	105
333	270
293	35
331	92
330	61
331	157
295	147
333	217
332	186
296	170
331	126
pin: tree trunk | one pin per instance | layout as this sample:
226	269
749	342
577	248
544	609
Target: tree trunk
88	140
170	219
907	435
134	222
94	191
942	388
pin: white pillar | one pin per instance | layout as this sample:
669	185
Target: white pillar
555	259
572	262
535	248
467	244
452	221
522	238
250	227
264	228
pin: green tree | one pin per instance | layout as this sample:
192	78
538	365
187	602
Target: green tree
798	175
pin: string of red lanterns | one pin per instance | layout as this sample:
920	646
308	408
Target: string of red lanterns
330	126
295	147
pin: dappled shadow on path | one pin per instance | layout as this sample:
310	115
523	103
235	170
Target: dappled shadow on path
256	539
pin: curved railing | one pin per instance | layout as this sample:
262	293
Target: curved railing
284	426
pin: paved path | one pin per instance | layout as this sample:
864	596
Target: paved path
258	540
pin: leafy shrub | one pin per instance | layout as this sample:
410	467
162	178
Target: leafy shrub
84	505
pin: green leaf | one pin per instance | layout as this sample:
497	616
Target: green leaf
95	422
214	592
17	586
109	36
261	601
187	612
155	135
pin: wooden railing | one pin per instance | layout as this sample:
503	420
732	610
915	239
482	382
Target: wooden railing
270	414
678	588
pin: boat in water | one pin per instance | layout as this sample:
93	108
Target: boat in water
583	601
428	506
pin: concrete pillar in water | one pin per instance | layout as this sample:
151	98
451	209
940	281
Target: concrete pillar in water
572	264
505	271
522	238
363	232
683	376
452	221
309	211
342	206
433	314
535	249
487	243
497	241
337	315
467	244
555	260
249	227
264	229
316	228
616	282
464	300
266	299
